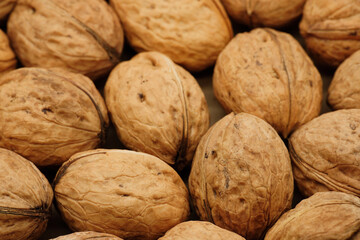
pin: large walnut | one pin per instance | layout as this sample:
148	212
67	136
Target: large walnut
331	29
241	177
7	56
83	36
192	33
26	197
129	194
157	107
6	6
325	153
326	215
266	73
48	115
89	235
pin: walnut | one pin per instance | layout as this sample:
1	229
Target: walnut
326	215
83	36
26	198
331	29
129	194
325	153
89	235
157	107
241	177
48	115
266	73
7	56
6	6
191	33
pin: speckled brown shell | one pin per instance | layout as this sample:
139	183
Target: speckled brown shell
344	90
325	153
89	235
241	177
83	36
6	6
157	107
48	115
331	29
326	215
270	13
191	33
266	73
26	198
129	194
7	56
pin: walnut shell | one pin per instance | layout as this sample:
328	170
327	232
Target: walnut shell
6	6
83	36
48	115
331	29
241	177
191	33
270	13
325	153
129	194
26	198
7	56
157	107
344	90
199	230
89	235
266	73
326	215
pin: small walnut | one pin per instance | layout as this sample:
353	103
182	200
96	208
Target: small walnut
157	107
6	6
266	73
7	56
325	153
192	33
48	115
89	235
26	198
129	194
83	36
241	177
331	29
326	215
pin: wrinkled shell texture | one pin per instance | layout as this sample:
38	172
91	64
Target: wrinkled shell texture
5	8
89	235
270	13
241	177
26	198
7	56
331	29
344	90
266	73
326	215
129	194
199	230
83	36
157	107
48	115
191	33
325	153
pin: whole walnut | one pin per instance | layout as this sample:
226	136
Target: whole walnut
241	177
344	90
129	194
326	215
331	29
270	13
83	36
6	6
26	198
192	33
47	115
157	107
89	235
266	73
7	56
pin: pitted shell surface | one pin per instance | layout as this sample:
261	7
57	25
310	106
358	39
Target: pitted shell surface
7	56
88	235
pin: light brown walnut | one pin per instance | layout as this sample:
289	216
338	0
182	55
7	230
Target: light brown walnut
7	56
88	235
6	6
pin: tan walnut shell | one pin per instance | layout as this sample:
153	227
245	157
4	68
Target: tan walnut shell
129	194
325	215
331	29
344	90
191	33
83	36
26	198
266	73
241	177
199	230
48	115
6	6
88	235
269	13
325	153
157	107
7	56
